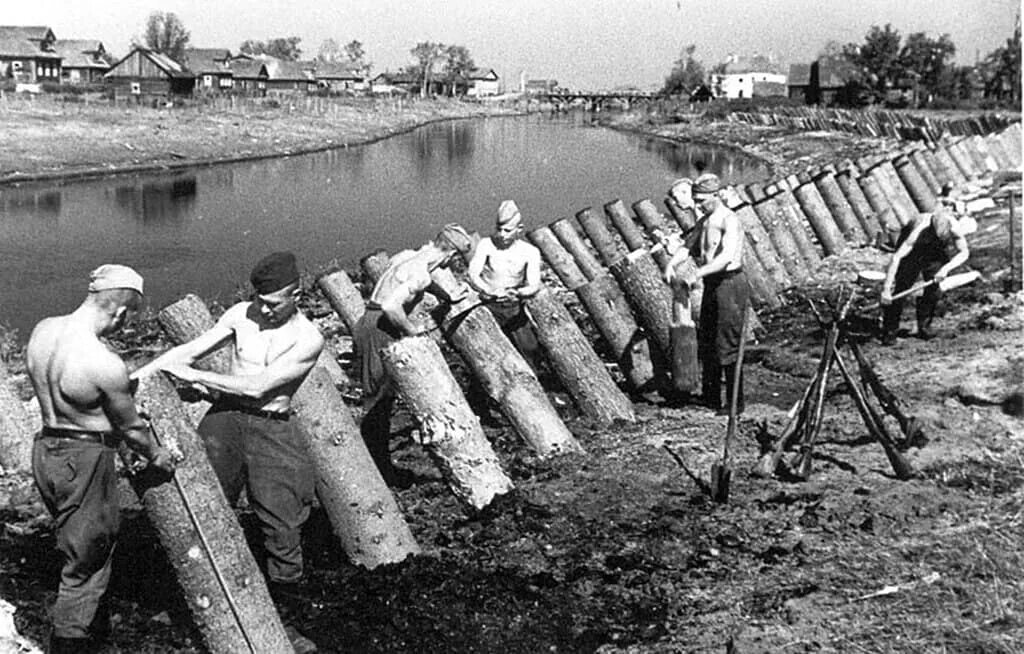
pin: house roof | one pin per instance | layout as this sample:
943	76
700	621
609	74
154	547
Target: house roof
336	70
28	32
833	75
799	75
168	66
395	78
20	41
755	64
82	53
247	68
482	74
297	71
207	60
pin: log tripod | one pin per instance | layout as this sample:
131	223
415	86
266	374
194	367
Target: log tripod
804	418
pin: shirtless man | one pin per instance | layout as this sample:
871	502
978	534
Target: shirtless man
248	432
386	319
505	270
726	293
85	399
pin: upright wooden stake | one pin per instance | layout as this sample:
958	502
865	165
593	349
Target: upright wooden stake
16	433
569	236
343	296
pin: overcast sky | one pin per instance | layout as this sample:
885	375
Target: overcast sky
589	45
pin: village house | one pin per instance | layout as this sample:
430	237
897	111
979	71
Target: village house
28	54
210	67
249	76
287	77
482	82
338	76
394	84
823	82
749	77
83	61
149	74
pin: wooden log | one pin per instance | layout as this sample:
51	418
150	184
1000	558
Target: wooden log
343	296
684	364
846	178
505	376
16	428
991	165
917	158
900	192
977	160
839	207
685	218
600	236
449	430
573	359
956	177
902	213
619	216
770	216
560	260
818	215
963	160
652	221
650	298
359	505
759	242
373	266
197	528
186	319
882	210
799	227
924	199
997	148
569	236
938	169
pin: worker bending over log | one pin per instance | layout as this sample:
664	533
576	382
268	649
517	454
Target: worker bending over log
249	432
87	408
726	292
400	288
931	246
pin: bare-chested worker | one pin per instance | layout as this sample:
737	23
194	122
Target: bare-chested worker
726	292
386	319
86	403
505	270
249	433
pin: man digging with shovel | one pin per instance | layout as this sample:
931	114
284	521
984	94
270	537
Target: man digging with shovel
923	248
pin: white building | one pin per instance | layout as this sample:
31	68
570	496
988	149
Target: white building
747	77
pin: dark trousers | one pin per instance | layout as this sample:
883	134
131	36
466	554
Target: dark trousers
78	484
269	459
512	318
726	297
925	264
371	333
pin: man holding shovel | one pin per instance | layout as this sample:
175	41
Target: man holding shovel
924	248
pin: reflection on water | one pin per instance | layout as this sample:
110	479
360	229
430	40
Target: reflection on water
200	231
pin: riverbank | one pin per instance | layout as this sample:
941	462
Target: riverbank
42	139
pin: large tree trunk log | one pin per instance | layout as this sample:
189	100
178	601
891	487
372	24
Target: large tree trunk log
770	216
571	239
624	224
343	296
652	220
650	298
219	578
960	163
882	210
577	365
924	169
16	433
600	236
505	375
359	505
899	189
797	222
188	318
949	166
613	318
938	167
450	431
839	207
758	241
819	216
560	260
846	178
685	218
373	266
924	200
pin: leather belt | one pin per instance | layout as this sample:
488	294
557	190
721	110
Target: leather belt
110	439
253	411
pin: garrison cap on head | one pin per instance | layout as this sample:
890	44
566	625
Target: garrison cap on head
274	272
455	236
508	212
110	276
707	183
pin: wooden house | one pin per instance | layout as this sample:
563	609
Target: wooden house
824	82
149	74
83	61
249	76
210	67
394	84
482	82
338	77
748	77
28	54
287	77
798	86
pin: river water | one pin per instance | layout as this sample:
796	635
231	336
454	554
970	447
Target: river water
200	231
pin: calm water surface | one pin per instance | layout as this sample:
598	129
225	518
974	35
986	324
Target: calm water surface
200	231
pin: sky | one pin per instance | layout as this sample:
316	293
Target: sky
598	44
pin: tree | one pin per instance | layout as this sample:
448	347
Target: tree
284	48
878	58
457	64
167	34
929	61
356	56
1001	70
329	52
427	55
687	73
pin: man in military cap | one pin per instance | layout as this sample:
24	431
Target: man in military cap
249	433
87	408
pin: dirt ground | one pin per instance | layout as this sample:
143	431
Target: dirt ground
618	551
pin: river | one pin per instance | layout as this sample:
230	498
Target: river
200	231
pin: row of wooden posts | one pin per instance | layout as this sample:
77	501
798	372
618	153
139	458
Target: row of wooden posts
876	123
612	267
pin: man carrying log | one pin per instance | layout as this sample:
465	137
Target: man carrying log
249	431
396	294
505	270
924	248
87	408
726	293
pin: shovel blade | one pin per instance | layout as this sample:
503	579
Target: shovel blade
720	477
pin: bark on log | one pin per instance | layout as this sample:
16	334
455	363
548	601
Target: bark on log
652	220
373	266
16	432
759	242
938	168
899	188
358	503
846	178
217	574
188	318
613	318
650	298
924	199
991	165
451	432
600	236
685	218
343	296
624	224
506	377
770	216
956	177
571	239
799	227
917	158
997	148
883	211
842	212
900	211
578	367
558	258
963	160
820	217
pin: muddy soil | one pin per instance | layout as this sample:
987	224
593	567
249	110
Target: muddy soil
617	550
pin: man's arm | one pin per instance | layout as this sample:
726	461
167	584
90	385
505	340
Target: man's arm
476	266
532	276
897	257
187	353
729	241
119	407
291	365
959	259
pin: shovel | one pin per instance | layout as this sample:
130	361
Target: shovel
949	283
720	472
